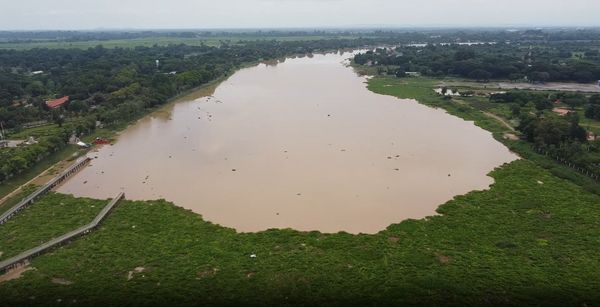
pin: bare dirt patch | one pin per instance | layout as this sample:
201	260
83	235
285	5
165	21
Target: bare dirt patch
135	271
207	273
444	259
15	273
61	281
553	86
561	111
511	136
393	239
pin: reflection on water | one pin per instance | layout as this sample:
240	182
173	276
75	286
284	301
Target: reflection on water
301	144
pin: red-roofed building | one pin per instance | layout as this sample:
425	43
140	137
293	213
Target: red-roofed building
55	103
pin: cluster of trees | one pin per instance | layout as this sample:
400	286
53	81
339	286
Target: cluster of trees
544	101
518	61
540	101
592	109
562	137
16	160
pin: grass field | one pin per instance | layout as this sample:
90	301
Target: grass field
151	41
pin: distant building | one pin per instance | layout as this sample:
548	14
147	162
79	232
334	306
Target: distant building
55	103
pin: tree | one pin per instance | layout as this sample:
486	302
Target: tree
57	117
593	111
594	99
573	100
539	76
480	75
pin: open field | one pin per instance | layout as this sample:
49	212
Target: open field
151	41
507	85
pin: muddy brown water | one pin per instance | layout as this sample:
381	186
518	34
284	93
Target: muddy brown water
303	145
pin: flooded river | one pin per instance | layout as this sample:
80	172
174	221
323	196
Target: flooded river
302	144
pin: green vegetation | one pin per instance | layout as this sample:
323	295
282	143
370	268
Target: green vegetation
546	61
52	142
155	41
530	239
53	215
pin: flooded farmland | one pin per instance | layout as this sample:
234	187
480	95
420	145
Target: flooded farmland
300	144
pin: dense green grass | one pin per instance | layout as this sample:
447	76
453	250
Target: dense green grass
53	215
521	242
10	185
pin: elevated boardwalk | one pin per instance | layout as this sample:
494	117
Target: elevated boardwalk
16	261
29	200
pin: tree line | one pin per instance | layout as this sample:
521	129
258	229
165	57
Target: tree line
517	61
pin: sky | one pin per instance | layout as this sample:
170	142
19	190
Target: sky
206	14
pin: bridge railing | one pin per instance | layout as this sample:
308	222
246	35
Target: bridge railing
16	261
29	200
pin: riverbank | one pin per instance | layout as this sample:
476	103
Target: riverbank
475	109
43	171
523	242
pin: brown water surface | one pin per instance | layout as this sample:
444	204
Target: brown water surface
302	144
